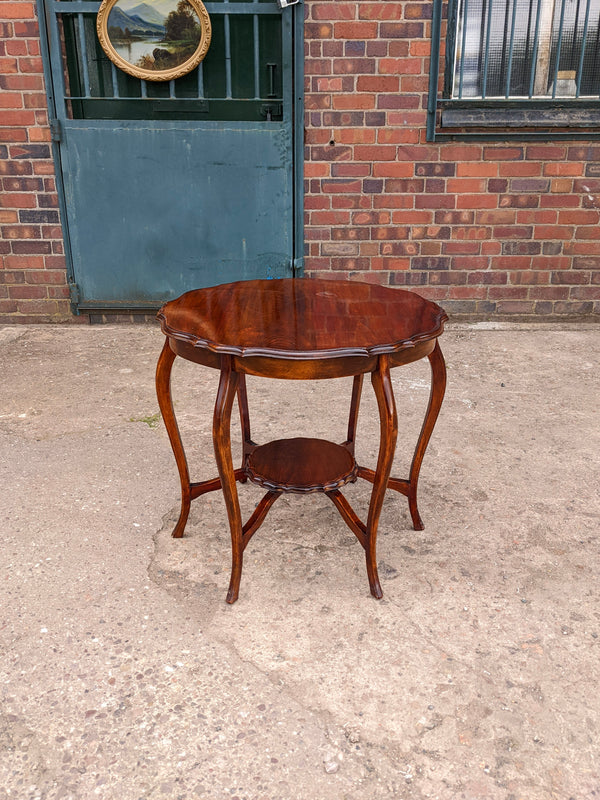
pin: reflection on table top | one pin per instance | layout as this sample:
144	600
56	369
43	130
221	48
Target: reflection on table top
302	318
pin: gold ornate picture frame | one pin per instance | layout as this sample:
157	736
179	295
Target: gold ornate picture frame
155	40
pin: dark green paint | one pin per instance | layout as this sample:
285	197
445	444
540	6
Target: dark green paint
172	186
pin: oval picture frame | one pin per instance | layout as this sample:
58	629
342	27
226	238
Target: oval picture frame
183	45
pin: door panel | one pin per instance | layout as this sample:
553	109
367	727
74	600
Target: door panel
157	211
183	184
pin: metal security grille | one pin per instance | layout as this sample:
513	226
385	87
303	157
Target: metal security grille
527	64
527	48
241	77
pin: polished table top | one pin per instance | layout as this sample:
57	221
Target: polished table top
301	318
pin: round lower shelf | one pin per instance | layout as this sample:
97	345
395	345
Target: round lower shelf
301	465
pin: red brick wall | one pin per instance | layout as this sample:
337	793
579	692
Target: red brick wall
508	229
501	230
32	275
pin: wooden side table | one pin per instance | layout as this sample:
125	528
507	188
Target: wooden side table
301	329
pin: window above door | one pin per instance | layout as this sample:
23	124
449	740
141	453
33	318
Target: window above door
515	69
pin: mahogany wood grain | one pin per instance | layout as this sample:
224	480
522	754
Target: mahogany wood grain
357	385
301	465
202	487
165	404
399	485
298	319
228	386
301	330
305	369
247	443
388	432
438	389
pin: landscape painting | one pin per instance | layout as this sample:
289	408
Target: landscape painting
154	35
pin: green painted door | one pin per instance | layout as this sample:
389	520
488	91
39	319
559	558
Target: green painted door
182	184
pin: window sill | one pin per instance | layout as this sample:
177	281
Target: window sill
561	115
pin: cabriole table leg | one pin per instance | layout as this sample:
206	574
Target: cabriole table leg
436	395
165	403
228	386
388	427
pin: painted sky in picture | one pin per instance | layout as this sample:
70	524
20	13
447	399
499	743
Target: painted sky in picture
159	8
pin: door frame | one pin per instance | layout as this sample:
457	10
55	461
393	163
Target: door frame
297	148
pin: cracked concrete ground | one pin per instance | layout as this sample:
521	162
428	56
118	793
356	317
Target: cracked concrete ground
125	675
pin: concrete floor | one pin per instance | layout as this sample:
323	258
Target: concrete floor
125	676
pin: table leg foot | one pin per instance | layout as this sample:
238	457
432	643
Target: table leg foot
414	512
182	521
234	582
374	584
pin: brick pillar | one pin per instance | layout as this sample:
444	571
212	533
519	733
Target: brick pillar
33	283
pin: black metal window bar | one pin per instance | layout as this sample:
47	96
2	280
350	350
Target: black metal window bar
516	63
241	77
